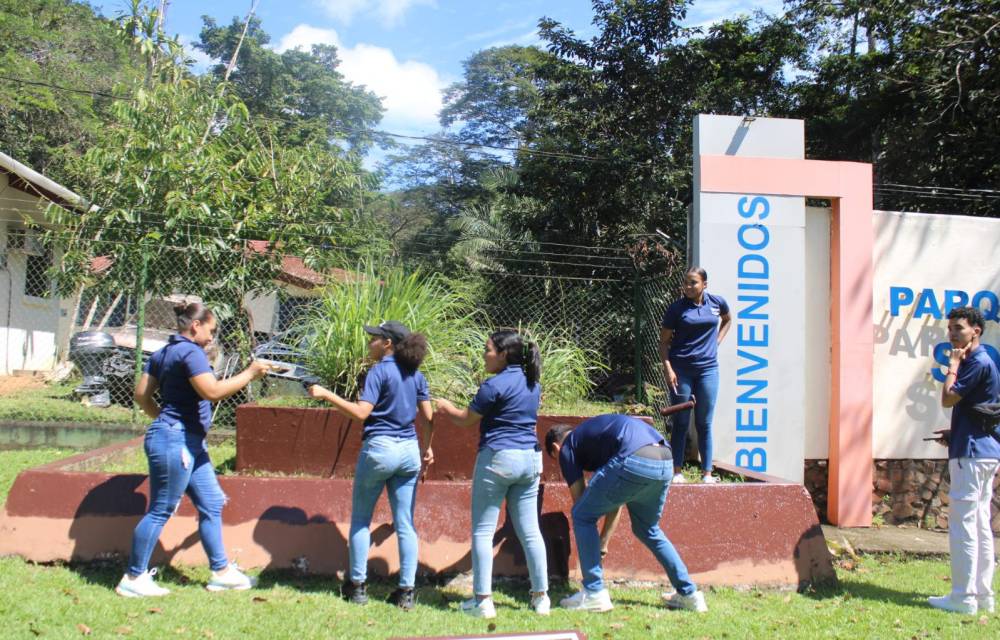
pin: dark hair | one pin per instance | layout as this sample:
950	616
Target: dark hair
188	312
555	436
411	351
701	273
519	351
972	315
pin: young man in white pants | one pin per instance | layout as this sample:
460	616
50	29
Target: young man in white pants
973	457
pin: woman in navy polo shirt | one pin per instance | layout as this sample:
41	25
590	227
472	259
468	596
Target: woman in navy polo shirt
390	457
693	327
508	466
175	447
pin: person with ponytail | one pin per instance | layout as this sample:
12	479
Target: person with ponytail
390	458
508	465
175	448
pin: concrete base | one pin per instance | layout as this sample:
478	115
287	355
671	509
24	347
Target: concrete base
64	435
752	533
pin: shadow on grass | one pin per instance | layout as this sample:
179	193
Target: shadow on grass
868	591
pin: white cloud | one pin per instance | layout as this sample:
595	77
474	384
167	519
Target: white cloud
410	90
389	11
202	61
705	13
525	39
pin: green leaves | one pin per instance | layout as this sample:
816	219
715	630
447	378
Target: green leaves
332	334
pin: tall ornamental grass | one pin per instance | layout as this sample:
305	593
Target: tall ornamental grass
336	344
567	368
333	335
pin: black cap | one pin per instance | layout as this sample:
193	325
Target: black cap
391	329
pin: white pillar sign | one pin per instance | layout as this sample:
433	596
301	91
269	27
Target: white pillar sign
753	247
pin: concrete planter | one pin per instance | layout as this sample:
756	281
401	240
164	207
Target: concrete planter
762	531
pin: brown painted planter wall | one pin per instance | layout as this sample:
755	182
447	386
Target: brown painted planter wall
752	533
321	442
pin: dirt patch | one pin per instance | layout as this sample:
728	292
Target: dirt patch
10	385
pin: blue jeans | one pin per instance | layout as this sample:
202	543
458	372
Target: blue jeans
640	484
704	385
394	464
179	464
510	474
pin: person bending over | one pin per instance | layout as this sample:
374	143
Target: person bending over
632	467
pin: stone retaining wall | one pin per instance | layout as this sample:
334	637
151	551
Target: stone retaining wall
903	491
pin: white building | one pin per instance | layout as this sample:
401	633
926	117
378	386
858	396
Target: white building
33	326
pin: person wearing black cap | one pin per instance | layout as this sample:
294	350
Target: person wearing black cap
390	458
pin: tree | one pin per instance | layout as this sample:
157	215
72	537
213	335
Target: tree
302	89
917	96
53	42
191	193
611	154
491	231
499	89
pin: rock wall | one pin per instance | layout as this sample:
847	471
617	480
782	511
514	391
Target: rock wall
903	492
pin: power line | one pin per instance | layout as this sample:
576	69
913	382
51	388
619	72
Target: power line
374	132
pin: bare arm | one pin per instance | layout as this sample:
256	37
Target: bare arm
461	417
727	322
610	523
355	410
666	338
213	390
144	395
427	433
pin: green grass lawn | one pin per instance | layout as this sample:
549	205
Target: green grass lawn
879	597
549	407
55	403
223	456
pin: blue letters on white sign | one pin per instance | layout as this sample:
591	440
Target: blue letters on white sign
937	304
752	334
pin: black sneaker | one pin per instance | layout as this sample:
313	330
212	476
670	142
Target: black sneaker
355	593
403	598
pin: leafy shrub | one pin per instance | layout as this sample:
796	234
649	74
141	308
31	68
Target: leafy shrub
335	342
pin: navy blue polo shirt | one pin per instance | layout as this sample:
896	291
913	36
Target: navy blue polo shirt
978	381
509	410
596	440
394	394
173	366
696	330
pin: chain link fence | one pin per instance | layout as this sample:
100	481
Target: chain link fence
72	359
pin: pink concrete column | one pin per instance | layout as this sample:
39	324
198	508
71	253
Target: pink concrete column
849	186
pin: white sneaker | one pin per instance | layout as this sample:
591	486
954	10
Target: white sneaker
946	603
140	587
678	479
478	608
986	604
693	602
541	605
232	579
708	478
584	600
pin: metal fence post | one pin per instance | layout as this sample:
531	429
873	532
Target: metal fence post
140	325
640	386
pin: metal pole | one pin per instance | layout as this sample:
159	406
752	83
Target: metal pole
140	325
640	387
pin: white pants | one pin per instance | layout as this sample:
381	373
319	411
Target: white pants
969	533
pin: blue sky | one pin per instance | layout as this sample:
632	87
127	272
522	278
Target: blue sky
408	51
